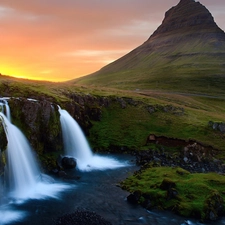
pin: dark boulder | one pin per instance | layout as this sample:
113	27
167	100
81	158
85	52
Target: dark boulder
134	197
69	163
82	217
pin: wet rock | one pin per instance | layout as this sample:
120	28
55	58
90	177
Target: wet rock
82	217
62	174
69	163
59	161
3	139
134	197
55	171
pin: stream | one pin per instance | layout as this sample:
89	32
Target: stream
96	191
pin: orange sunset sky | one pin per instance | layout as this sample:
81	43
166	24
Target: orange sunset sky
59	40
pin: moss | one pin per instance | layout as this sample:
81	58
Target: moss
190	195
49	161
213	205
130	127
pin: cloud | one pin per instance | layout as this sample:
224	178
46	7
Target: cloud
36	35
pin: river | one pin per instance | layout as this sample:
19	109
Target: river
95	191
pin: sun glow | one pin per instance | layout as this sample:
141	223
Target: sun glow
12	72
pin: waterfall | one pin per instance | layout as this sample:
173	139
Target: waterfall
76	145
22	168
23	177
7	109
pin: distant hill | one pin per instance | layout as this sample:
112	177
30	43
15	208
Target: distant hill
185	54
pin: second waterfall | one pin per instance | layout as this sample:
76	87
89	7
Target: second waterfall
76	145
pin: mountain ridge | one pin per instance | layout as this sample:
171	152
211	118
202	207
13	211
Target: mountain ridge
188	42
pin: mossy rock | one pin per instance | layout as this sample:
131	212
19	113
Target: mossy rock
167	184
213	207
197	195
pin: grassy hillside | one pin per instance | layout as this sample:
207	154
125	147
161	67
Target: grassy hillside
195	67
130	126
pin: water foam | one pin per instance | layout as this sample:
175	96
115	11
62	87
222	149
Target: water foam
76	145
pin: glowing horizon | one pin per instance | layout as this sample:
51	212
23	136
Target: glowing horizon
60	41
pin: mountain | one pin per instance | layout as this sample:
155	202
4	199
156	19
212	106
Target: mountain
186	53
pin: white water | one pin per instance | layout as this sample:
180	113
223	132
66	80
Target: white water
22	168
22	174
7	109
76	145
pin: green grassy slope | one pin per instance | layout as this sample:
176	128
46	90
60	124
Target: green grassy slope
195	67
130	126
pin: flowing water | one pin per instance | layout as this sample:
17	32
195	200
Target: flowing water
22	169
98	191
23	179
76	145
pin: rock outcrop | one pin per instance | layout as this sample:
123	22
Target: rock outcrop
39	120
218	126
188	17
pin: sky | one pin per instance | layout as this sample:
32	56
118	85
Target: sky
59	40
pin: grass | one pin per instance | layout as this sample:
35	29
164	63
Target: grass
194	190
193	66
131	126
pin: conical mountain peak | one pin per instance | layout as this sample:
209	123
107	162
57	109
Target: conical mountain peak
185	53
187	16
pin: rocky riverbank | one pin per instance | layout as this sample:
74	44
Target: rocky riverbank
193	157
189	182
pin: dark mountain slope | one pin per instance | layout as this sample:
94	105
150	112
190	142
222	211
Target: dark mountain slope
185	53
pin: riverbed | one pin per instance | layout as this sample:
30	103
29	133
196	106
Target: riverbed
95	190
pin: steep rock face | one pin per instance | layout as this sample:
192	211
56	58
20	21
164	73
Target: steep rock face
3	145
39	120
187	15
189	21
3	140
85	108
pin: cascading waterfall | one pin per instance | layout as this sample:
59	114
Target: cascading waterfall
23	177
76	145
7	109
22	168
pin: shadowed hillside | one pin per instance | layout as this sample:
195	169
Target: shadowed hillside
185	54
